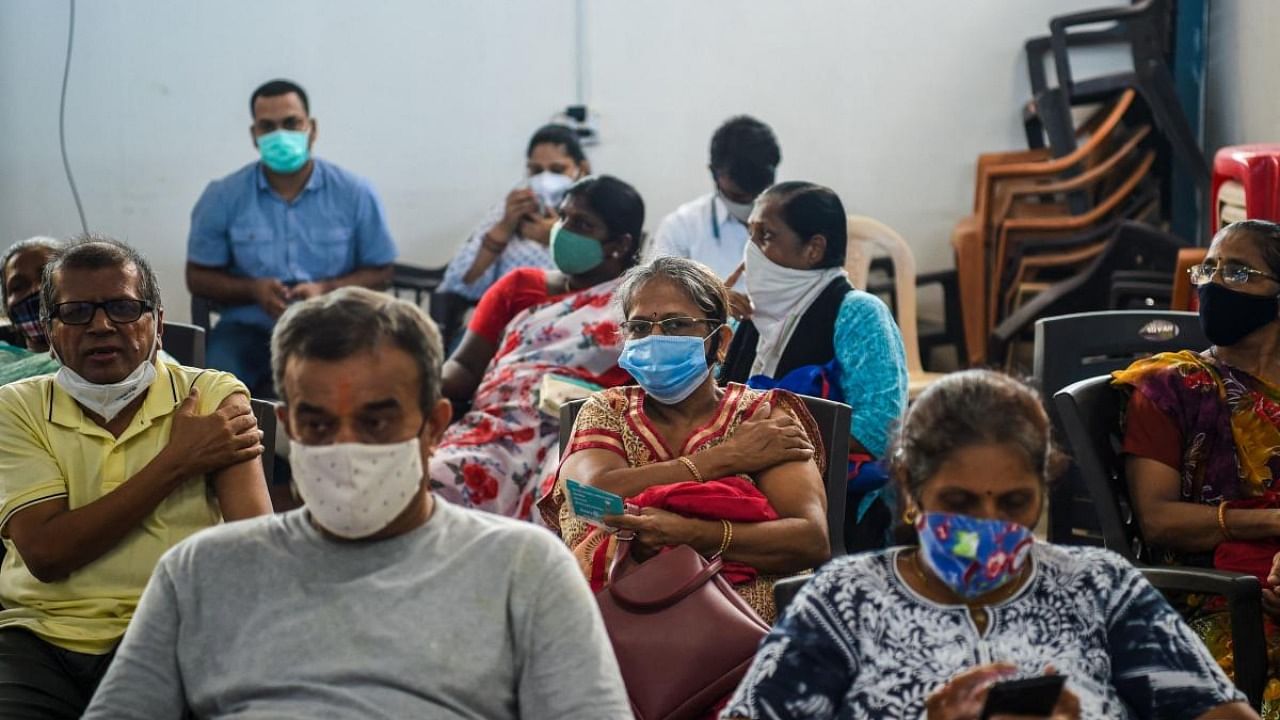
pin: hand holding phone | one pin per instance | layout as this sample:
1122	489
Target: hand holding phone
1030	697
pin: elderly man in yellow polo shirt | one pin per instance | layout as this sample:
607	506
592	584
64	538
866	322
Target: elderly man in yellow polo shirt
104	466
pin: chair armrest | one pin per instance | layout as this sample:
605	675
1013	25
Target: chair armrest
784	591
1058	33
1244	602
1037	48
945	278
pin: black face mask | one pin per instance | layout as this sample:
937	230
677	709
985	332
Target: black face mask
1228	316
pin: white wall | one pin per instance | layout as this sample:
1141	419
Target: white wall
1243	83
886	102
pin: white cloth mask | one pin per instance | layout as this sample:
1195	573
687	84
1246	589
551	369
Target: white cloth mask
550	188
353	490
738	211
779	298
107	400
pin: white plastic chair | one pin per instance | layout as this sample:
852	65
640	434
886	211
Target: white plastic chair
866	233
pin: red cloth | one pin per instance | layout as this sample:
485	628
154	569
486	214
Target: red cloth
731	498
1250	556
1149	433
518	290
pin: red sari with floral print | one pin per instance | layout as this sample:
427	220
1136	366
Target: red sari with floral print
494	456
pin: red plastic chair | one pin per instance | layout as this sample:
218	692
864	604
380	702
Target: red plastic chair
1257	170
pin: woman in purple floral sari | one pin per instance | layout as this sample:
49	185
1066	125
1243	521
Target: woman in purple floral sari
1202	430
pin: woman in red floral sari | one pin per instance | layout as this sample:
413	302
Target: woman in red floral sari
530	324
726	470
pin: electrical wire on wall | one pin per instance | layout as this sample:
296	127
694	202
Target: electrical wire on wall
62	117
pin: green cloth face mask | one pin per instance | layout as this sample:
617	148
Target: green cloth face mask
574	253
285	151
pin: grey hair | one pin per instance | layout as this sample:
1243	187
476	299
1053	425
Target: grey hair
1265	235
39	242
353	320
696	280
93	251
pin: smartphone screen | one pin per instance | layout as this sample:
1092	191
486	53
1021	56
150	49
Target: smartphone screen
1034	697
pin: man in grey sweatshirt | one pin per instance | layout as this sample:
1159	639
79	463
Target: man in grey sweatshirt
375	600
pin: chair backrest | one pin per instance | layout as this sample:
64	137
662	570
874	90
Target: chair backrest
864	232
419	282
1069	348
833	421
265	412
1090	413
1074	347
446	309
186	343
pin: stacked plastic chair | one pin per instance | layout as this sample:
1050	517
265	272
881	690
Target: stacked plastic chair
1042	216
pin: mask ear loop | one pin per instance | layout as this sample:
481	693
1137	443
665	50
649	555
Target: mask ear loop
713	362
155	335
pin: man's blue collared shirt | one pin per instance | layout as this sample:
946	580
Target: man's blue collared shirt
334	227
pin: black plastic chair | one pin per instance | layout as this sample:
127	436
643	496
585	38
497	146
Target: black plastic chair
186	343
1070	348
1090	416
1133	247
1146	27
785	590
202	310
833	420
446	309
265	412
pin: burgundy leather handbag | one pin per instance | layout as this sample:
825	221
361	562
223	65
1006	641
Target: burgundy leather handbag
683	638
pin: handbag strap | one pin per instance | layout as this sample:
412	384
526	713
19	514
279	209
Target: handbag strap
620	558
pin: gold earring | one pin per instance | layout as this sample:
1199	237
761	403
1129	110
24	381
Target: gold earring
910	515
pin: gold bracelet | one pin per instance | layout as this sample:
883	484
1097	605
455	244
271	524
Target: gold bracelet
1222	520
693	469
726	537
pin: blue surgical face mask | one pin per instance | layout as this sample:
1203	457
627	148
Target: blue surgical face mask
574	253
668	367
973	556
285	151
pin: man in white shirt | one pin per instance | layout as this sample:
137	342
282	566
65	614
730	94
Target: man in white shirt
712	229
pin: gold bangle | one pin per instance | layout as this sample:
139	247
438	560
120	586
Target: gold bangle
693	469
1222	521
726	537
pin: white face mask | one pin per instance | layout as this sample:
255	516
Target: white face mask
779	298
550	187
738	211
353	490
109	399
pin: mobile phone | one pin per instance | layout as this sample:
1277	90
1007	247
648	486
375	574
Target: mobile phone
1035	697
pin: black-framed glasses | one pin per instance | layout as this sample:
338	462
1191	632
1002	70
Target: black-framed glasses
1233	273
636	329
125	310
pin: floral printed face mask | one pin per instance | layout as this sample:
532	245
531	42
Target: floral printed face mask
972	556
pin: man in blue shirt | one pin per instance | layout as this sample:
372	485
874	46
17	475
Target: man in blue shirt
288	227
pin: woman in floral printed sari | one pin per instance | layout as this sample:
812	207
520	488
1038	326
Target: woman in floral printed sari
530	324
1202	431
726	470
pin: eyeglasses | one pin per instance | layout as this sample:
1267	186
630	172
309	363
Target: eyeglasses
118	311
1233	273
636	329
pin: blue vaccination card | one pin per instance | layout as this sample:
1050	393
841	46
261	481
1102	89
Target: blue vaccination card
591	503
